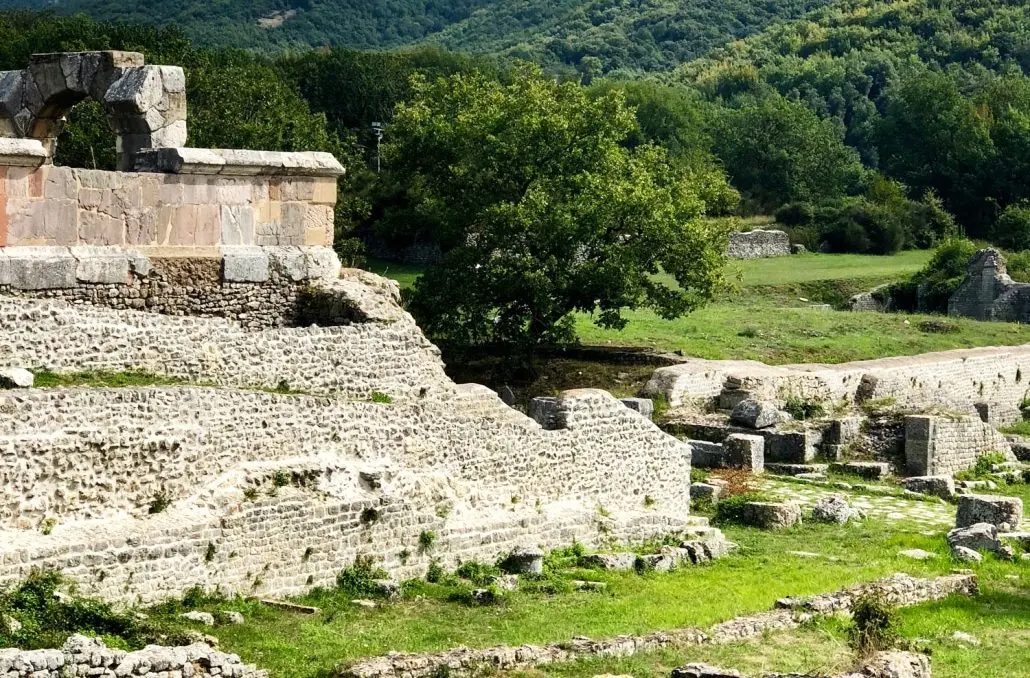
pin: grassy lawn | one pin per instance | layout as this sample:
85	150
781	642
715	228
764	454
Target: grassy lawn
748	581
769	315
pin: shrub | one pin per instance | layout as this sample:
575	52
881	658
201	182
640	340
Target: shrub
358	580
426	540
730	511
983	467
874	625
1012	230
796	214
435	572
943	274
478	573
803	410
846	235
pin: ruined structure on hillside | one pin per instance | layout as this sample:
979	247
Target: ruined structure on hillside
988	293
315	423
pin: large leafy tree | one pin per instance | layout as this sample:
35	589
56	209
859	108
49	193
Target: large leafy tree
543	211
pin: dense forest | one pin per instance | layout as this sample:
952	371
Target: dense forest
588	35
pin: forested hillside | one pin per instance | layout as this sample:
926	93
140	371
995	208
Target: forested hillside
593	35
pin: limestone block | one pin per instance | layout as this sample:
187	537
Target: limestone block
755	414
288	262
870	470
978	537
770	515
42	268
966	554
101	265
745	451
619	562
237	225
523	560
705	491
833	508
704	671
21	152
15	377
231	617
704	454
897	664
321	263
844	430
138	262
245	264
544	411
203	618
936	486
643	406
996	510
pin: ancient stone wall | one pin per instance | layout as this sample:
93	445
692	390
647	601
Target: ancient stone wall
273	494
936	445
379	349
988	293
758	244
82	656
959	380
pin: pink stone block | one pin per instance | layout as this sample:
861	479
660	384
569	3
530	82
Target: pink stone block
141	227
60	222
208	231
97	228
182	231
3	207
298	189
25	222
232	191
60	184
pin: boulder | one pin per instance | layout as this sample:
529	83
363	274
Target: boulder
985	508
935	486
230	617
15	377
897	664
204	618
771	515
756	414
506	582
387	588
979	537
524	561
833	508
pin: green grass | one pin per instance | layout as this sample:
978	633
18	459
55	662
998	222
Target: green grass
1021	428
748	581
404	274
47	379
811	267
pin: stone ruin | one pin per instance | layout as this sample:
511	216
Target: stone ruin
314	422
988	293
760	243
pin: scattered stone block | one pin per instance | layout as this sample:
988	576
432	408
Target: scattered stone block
985	508
771	515
231	617
643	406
917	554
484	596
204	618
705	491
387	588
544	411
367	604
869	470
704	671
745	451
833	508
811	476
706	455
289	607
979	537
896	664
616	562
15	377
1021	538
756	414
506	582
524	561
965	638
934	486
796	469
581	585
966	555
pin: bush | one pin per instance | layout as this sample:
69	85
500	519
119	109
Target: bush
730	511
1012	230
983	468
796	214
358	580
845	235
939	279
874	625
803	410
479	574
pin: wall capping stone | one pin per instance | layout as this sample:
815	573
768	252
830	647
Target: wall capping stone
22	153
238	162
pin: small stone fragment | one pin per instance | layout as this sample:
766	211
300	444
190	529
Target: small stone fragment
917	554
524	561
205	618
756	414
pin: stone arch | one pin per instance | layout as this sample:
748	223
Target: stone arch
145	105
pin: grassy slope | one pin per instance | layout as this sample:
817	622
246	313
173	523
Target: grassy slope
294	646
769	315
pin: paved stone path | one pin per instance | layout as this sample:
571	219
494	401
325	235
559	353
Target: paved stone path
920	514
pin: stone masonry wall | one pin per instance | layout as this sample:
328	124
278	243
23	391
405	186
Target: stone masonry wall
957	380
362	478
758	244
989	293
937	445
382	350
50	205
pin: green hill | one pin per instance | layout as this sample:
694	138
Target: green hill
634	35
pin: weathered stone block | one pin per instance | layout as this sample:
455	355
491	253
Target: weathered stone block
244	264
869	470
745	451
756	414
936	486
996	510
705	491
978	537
544	411
42	268
610	561
706	455
833	508
770	515
100	265
524	560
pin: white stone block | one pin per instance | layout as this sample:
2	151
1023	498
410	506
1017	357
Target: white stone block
245	264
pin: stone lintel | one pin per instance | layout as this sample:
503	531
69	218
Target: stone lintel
110	58
238	162
22	153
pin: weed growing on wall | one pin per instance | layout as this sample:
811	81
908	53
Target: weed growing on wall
161	501
358	580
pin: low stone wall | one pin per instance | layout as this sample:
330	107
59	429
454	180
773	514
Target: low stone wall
758	244
959	380
274	494
900	589
257	287
936	445
380	350
81	656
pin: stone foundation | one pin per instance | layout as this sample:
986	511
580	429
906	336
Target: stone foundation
758	244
